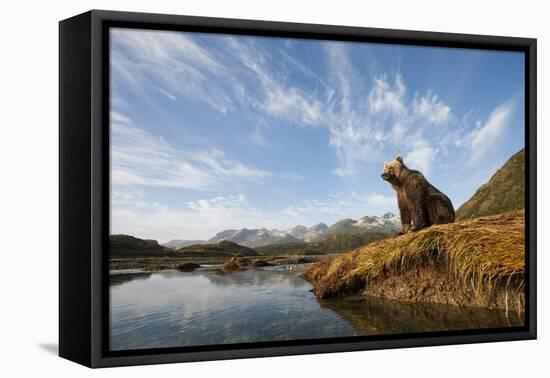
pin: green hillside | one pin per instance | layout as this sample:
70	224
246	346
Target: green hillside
128	246
223	248
504	192
335	243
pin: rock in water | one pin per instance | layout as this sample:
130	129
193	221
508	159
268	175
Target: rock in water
260	263
187	267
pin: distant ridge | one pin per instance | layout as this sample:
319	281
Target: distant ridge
126	245
178	243
504	192
223	248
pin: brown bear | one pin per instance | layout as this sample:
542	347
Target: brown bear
420	203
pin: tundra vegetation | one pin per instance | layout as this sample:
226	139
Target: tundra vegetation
479	263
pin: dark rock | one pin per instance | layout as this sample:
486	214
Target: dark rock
187	267
260	263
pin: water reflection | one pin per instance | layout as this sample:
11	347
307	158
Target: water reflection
256	277
205	307
373	316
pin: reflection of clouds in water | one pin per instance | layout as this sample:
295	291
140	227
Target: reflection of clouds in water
173	291
254	277
199	291
205	307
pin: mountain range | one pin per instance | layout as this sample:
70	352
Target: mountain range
386	224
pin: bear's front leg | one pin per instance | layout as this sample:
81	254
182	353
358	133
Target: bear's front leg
405	218
418	219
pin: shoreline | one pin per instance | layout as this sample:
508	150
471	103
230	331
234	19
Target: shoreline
473	263
295	263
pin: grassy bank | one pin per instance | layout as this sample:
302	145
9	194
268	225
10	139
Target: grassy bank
478	262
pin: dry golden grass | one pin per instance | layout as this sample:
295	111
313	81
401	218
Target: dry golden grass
481	251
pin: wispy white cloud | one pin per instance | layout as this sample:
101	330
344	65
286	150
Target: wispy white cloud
140	159
388	96
271	94
341	71
486	136
199	219
381	119
172	64
341	205
353	134
431	108
292	176
421	157
258	138
364	115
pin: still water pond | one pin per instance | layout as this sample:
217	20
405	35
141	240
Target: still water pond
205	307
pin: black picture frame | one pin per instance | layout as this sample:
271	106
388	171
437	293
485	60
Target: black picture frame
84	186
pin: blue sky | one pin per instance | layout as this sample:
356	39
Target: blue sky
210	132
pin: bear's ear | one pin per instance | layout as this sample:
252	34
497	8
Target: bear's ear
399	159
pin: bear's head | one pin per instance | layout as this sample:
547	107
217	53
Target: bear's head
393	170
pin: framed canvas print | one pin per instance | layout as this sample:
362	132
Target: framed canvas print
233	188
